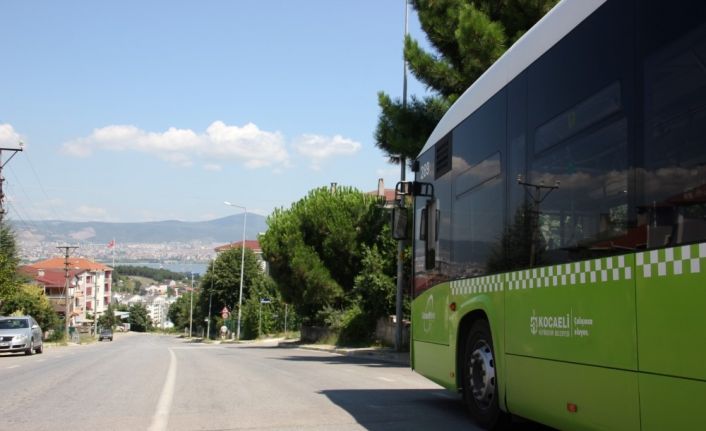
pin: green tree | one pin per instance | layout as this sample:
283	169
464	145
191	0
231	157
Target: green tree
220	286
315	248
468	37
30	300
374	288
139	318
263	318
108	319
180	311
9	283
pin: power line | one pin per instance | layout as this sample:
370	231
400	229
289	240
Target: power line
2	180
41	187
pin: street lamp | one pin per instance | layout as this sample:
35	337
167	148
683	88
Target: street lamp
242	264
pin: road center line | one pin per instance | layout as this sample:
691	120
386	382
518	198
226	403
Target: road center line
161	415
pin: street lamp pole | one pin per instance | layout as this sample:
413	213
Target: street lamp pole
242	265
191	308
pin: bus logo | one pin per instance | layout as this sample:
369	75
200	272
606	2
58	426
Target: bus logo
557	326
425	170
428	316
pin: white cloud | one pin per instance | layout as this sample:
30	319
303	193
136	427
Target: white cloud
8	136
248	144
213	167
318	148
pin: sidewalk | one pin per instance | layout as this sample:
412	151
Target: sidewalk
381	354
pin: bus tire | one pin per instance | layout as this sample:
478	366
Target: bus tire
480	385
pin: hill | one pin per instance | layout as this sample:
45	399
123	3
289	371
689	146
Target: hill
226	229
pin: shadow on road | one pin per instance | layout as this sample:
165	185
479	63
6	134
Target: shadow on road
411	409
341	359
402	409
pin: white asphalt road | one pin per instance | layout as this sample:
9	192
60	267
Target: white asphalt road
150	382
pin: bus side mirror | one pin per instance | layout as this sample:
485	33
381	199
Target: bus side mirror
399	223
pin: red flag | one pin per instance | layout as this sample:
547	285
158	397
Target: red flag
111	244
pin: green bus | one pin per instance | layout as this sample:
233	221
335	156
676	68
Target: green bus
560	225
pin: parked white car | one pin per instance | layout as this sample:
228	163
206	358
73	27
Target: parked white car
20	334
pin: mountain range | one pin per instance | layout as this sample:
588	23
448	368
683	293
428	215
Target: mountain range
222	230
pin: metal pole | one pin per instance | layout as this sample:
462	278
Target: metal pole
191	309
67	309
242	269
2	165
208	324
401	243
242	265
285	320
259	321
95	303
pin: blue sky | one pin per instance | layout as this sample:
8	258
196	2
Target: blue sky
153	110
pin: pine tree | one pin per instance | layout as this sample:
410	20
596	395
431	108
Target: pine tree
468	36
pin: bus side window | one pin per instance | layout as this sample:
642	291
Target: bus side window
431	229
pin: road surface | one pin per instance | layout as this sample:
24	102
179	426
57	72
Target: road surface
153	382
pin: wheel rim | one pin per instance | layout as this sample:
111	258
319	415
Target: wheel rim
482	375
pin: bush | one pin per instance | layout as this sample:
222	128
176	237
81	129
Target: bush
357	328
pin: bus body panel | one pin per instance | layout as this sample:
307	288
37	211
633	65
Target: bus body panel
601	297
435	362
581	312
671	304
542	390
671	403
431	312
484	295
431	354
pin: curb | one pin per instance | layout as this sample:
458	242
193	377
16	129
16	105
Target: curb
371	353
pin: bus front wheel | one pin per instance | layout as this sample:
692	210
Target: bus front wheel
480	391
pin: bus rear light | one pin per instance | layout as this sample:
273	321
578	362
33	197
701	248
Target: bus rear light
452	306
572	408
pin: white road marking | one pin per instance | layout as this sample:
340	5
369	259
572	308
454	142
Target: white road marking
161	415
13	366
385	379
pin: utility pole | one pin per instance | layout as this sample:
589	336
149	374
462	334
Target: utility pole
401	242
540	194
67	249
191	309
2	179
95	303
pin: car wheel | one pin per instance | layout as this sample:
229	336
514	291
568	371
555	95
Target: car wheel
30	350
40	349
480	385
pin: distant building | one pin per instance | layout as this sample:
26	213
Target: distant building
90	285
157	307
385	197
252	245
